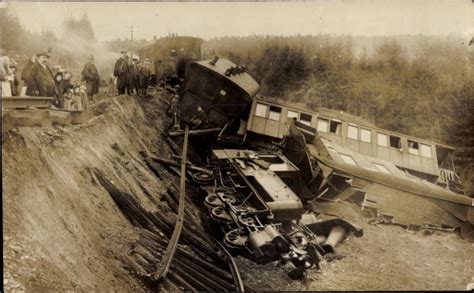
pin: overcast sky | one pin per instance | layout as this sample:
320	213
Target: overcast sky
207	20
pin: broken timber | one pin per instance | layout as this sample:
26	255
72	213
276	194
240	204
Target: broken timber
26	102
162	270
195	132
175	164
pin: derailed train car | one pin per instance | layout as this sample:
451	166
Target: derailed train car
222	89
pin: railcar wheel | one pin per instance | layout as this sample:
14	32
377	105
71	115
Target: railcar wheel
221	215
212	201
203	178
235	239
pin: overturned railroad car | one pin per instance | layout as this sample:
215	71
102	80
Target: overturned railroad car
423	158
223	90
170	55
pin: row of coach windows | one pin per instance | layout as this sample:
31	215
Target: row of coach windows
266	111
274	113
353	131
365	135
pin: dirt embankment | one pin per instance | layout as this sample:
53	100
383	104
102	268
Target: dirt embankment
62	230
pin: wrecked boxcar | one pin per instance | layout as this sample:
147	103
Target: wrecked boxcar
223	90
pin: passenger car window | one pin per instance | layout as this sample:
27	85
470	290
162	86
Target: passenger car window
395	142
261	110
413	147
292	114
352	132
382	139
425	150
306	118
323	125
274	113
365	135
335	126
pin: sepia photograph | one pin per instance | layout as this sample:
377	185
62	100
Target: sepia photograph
323	145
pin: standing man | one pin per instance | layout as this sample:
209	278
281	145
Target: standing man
132	77
91	76
120	72
144	75
26	73
41	79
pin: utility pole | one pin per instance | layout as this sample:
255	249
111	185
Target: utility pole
131	42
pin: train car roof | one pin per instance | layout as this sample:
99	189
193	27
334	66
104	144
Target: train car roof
380	171
167	38
242	80
340	115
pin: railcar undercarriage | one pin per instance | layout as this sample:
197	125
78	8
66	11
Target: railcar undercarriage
259	216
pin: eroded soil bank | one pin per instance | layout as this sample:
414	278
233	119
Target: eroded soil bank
62	230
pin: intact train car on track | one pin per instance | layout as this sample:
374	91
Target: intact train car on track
170	56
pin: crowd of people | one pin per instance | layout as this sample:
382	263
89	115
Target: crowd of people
39	79
132	76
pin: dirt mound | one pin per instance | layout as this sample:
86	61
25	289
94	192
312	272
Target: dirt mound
62	230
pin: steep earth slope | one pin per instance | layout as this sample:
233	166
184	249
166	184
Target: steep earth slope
61	228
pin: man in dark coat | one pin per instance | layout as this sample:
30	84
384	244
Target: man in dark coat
41	81
91	76
144	75
120	72
26	73
132	77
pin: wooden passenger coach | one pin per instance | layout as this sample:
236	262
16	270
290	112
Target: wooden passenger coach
421	157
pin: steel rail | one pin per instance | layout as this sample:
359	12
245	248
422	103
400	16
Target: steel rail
164	265
233	268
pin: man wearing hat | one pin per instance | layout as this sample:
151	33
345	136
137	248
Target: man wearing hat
121	71
132	77
41	81
91	76
144	74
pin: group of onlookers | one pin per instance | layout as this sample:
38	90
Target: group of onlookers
40	80
132	76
